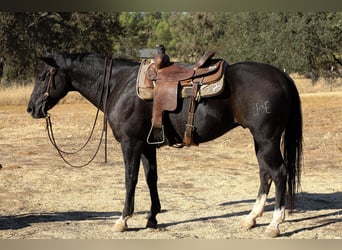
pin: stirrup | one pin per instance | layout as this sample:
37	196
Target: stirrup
156	142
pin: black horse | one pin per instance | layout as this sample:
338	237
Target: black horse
256	96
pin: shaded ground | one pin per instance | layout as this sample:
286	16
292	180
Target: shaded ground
205	191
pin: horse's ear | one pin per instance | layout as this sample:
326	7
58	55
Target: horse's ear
50	61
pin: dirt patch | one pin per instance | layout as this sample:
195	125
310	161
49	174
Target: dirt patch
205	191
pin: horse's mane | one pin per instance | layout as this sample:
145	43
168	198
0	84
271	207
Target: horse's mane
82	57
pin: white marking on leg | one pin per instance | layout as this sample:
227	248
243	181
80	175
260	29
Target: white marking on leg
278	216
272	229
258	207
121	224
122	219
256	212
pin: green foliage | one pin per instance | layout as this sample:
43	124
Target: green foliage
194	33
306	43
298	42
141	30
26	36
321	37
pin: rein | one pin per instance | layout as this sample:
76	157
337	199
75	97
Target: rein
104	96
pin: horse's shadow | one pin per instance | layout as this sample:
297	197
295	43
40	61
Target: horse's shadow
13	222
316	201
305	202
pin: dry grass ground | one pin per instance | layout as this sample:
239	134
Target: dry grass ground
204	191
19	94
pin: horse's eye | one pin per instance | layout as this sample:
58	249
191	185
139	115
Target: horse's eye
42	77
52	71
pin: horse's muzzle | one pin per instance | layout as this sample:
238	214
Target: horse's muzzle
36	112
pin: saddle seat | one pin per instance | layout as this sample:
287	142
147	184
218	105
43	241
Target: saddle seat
168	71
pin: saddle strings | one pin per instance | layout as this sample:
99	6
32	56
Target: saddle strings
103	100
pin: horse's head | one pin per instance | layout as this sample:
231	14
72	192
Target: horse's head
51	86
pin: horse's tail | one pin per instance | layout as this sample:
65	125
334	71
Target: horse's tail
293	144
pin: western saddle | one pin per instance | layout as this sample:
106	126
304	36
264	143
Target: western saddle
165	83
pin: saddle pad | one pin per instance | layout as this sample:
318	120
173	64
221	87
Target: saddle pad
213	89
206	90
144	87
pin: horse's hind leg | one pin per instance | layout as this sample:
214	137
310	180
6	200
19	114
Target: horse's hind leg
265	183
272	168
279	178
150	166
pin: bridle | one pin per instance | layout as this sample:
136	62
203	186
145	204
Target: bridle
52	72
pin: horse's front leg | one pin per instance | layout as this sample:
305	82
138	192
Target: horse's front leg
131	150
149	161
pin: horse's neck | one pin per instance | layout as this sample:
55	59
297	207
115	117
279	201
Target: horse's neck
94	83
91	86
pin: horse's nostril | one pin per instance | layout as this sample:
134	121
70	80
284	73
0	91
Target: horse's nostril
29	110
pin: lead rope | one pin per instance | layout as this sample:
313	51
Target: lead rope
61	152
104	129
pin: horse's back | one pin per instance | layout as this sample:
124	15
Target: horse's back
257	76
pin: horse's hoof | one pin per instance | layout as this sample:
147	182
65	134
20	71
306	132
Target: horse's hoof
248	223
272	232
151	223
120	226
